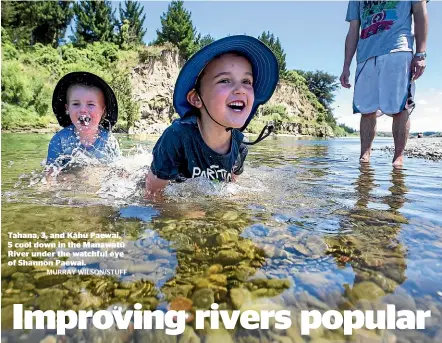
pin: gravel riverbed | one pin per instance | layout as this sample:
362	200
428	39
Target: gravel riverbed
428	148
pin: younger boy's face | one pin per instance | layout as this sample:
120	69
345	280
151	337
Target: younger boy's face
227	90
86	107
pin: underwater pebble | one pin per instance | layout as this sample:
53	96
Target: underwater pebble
240	296
49	339
203	298
145	268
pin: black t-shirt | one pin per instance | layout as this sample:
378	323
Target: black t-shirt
181	153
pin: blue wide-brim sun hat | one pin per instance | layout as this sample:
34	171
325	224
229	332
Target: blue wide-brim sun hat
265	70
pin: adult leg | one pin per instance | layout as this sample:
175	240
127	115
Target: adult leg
401	129
367	133
396	97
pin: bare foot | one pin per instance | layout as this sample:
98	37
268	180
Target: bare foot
364	158
398	162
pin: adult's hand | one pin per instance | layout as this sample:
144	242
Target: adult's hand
344	78
418	65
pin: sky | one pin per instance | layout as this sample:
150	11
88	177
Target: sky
312	34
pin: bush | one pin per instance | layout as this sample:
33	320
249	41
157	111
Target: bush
16	88
30	75
145	53
128	110
14	117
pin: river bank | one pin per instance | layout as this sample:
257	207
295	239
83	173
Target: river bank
428	148
156	130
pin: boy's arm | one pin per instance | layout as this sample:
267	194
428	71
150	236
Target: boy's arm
54	150
114	147
420	16
167	156
154	184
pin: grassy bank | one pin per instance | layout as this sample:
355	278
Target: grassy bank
29	76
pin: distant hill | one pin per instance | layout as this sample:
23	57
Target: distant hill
413	134
384	134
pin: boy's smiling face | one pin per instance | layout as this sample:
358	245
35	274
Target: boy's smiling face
227	90
86	107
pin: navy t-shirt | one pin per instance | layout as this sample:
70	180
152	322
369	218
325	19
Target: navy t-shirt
181	153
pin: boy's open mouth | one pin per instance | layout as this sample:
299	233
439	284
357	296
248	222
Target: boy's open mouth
84	120
237	106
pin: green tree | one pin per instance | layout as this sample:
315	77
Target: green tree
95	22
275	45
321	84
8	12
177	28
201	42
131	24
33	22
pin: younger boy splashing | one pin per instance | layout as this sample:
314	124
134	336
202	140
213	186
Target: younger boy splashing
86	107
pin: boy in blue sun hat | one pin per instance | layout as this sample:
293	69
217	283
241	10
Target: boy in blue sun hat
217	93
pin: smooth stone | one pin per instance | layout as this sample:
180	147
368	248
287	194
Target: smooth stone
321	340
230	216
228	257
278	338
215	269
122	264
153	336
366	336
88	300
402	300
295	333
189	336
272	283
240	296
44	280
145	268
203	298
316	245
297	248
220	335
227	236
367	290
49	339
159	253
50	300
7	315
121	293
8	270
219	279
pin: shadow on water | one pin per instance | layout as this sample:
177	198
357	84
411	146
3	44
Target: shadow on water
303	229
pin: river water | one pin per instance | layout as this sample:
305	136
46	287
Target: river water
304	228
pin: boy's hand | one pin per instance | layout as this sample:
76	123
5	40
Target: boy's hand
345	77
154	185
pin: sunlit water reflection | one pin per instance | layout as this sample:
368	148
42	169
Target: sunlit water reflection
305	227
